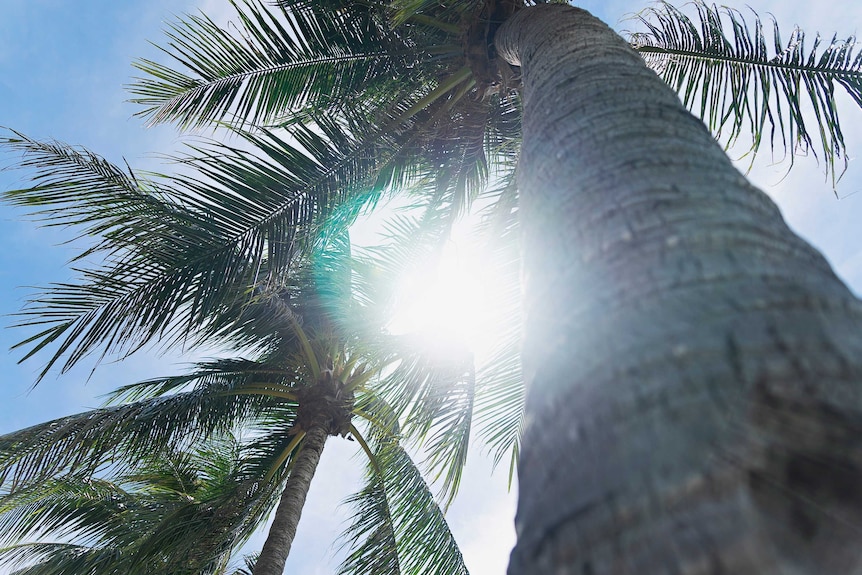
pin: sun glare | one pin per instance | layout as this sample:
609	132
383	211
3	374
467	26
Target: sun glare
453	300
467	297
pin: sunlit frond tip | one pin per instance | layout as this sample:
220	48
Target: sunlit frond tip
736	83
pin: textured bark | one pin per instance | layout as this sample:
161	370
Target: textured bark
283	529
693	367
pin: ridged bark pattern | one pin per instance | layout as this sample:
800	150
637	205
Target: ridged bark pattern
693	367
274	554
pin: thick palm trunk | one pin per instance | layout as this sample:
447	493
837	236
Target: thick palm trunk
283	529
693	367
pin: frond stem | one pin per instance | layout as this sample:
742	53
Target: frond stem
648	49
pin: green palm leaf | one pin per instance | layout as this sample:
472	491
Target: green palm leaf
275	61
65	506
499	403
85	442
75	187
736	84
398	528
166	274
248	76
371	535
178	513
59	559
431	387
434	392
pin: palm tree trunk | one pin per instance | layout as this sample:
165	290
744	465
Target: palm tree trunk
692	366
283	529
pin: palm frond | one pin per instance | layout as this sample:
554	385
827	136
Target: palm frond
732	80
86	442
379	415
398	528
433	392
500	404
430	388
240	210
63	506
223	375
178	513
407	240
75	187
371	535
58	559
335	60
493	405
276	60
499	381
248	565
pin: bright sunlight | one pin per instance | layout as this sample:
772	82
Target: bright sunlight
459	298
450	300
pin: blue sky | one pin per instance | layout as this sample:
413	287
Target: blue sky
62	69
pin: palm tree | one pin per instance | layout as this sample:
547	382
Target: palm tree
693	358
289	421
310	376
187	512
682	409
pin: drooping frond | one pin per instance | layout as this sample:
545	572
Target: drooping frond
85	442
433	384
500	404
371	535
726	73
493	405
431	390
205	530
500	390
398	529
430	385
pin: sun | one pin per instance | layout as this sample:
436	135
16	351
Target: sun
464	298
456	298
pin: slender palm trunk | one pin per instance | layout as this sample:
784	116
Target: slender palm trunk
283	529
693	367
